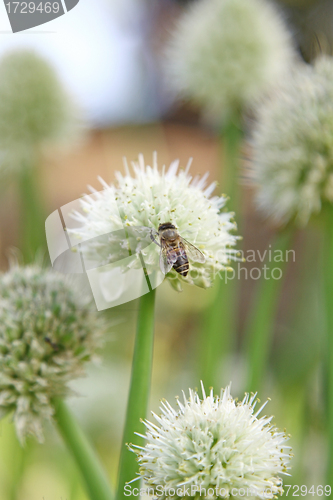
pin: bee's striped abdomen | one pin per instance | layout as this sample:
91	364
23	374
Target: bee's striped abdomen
181	265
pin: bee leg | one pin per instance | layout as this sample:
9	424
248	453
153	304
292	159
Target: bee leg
153	239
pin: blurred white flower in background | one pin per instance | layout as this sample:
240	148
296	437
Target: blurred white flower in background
292	160
225	53
100	51
213	442
35	109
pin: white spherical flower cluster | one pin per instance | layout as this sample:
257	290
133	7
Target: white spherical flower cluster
225	53
149	198
34	107
214	445
292	162
48	330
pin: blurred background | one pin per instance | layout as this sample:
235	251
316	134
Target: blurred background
109	54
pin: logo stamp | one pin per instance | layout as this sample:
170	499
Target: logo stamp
25	15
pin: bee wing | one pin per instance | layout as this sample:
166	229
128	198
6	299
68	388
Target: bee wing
139	237
193	252
167	259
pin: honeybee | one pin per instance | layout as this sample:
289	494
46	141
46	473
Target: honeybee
175	250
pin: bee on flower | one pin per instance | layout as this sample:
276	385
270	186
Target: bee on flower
168	218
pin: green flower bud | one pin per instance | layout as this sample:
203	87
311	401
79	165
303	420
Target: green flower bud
48	330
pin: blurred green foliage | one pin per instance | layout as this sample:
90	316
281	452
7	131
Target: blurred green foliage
292	381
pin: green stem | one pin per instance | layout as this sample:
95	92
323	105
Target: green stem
139	390
32	213
217	332
218	329
329	341
97	484
232	136
16	458
261	322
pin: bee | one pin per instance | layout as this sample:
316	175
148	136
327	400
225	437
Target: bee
175	250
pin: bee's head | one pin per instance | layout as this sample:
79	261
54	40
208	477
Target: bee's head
166	225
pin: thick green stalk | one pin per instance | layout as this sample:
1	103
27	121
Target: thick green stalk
96	482
218	329
329	340
32	213
258	335
139	390
16	458
217	332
